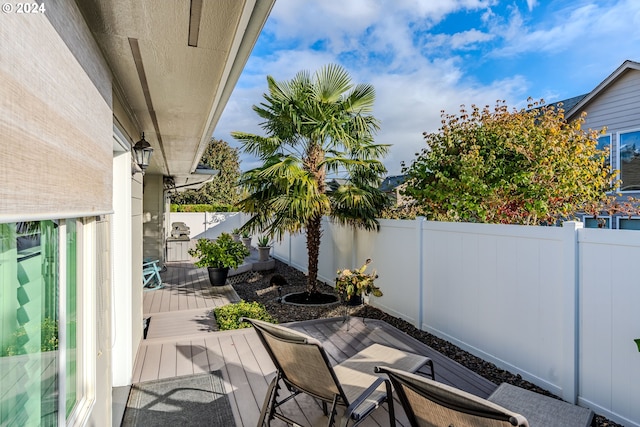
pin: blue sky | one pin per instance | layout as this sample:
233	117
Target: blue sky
425	56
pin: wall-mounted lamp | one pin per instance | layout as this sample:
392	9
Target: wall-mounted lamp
142	152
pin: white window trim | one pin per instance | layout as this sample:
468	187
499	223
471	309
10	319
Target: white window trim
62	322
86	340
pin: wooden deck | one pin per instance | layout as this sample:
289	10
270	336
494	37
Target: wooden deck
172	351
186	288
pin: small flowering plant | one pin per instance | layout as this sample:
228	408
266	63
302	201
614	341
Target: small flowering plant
357	282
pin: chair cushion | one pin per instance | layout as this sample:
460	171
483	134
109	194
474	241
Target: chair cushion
356	374
541	410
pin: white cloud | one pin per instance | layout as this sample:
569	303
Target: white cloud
531	4
382	42
466	40
409	105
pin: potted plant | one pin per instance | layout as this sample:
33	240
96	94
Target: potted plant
235	233
352	284
263	248
246	239
218	256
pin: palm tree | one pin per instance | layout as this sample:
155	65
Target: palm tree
316	127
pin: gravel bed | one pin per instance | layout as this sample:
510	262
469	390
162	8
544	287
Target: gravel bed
268	287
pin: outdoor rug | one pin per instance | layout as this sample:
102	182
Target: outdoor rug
193	400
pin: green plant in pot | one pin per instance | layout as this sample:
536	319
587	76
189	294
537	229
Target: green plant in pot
352	284
264	248
219	256
246	239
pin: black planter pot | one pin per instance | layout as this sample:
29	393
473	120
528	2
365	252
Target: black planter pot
355	300
218	276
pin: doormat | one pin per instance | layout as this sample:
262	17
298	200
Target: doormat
193	400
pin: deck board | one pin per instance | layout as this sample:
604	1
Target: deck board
247	370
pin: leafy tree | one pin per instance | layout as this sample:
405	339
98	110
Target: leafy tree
315	126
518	167
223	190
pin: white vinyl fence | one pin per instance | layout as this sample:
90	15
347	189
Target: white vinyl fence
209	224
558	305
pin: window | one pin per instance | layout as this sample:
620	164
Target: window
625	223
629	160
600	222
38	299
604	142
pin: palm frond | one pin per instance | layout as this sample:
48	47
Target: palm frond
331	82
361	99
260	146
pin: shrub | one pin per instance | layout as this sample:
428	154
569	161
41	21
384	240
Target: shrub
228	316
224	252
518	167
203	208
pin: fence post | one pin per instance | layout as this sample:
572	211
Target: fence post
570	320
420	251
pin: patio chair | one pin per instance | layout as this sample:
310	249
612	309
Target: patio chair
151	275
428	403
303	366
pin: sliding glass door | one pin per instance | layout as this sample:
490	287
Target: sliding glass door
38	319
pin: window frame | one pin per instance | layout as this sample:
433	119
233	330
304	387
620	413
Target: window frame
586	217
619	135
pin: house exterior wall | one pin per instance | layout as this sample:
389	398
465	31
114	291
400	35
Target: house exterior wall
135	293
617	109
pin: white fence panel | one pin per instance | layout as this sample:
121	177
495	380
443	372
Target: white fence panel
610	321
395	255
336	250
499	292
281	249
209	224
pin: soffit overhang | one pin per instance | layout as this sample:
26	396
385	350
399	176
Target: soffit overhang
174	65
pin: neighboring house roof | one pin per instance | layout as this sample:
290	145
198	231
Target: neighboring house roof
390	183
335	183
568	104
586	99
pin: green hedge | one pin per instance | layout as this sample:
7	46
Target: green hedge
228	316
203	208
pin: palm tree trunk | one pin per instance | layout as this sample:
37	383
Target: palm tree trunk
313	249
